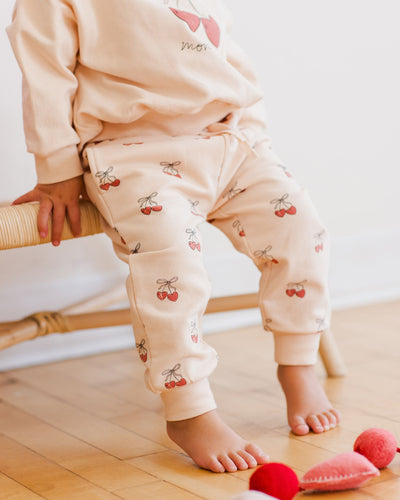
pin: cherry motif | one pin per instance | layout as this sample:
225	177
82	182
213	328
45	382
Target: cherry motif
264	254
193	239
283	207
122	239
194	332
296	289
169	168
319	246
285	171
106	179
137	248
166	290
142	350
291	211
321	325
173	378
173	297
148	204
267	323
233	191
193	207
236	224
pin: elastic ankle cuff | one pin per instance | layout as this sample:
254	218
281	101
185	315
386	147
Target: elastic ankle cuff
188	401
295	349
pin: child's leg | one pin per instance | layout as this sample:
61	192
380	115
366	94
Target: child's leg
270	218
153	196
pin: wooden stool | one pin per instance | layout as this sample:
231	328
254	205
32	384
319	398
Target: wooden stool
18	229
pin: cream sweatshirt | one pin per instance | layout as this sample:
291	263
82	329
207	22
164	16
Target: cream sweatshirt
101	69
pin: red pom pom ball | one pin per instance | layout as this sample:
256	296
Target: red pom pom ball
277	480
378	445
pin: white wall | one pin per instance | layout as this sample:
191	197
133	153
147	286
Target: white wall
331	77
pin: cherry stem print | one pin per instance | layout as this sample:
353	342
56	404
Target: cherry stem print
106	179
147	204
193	207
137	248
236	224
283	207
267	324
193	239
166	290
264	254
121	238
173	378
169	168
233	191
319	244
321	325
296	289
285	170
142	350
194	333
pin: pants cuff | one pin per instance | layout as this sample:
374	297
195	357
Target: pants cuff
188	401
296	349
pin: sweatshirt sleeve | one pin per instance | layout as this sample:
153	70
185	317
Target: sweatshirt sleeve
44	38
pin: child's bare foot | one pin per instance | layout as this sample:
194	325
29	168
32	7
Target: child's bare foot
213	445
308	408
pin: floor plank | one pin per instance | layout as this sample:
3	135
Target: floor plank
11	490
89	429
74	455
43	476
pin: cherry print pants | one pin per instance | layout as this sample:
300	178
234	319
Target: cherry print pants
153	193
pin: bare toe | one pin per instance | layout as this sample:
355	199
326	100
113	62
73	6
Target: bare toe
214	466
331	419
324	421
315	424
227	463
336	414
249	459
257	454
238	460
299	426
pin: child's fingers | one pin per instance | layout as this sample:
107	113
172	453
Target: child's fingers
25	198
58	222
45	208
74	216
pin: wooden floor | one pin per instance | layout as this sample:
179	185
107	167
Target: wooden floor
87	429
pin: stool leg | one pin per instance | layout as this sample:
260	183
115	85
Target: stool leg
330	355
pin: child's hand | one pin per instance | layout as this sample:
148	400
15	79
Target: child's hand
57	200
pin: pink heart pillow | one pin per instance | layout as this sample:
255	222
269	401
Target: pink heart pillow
345	471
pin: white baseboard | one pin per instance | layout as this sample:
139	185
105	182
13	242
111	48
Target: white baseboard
365	269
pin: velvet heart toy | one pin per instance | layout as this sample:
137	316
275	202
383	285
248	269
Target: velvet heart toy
373	450
342	472
378	445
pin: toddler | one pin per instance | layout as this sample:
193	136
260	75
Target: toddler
149	108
